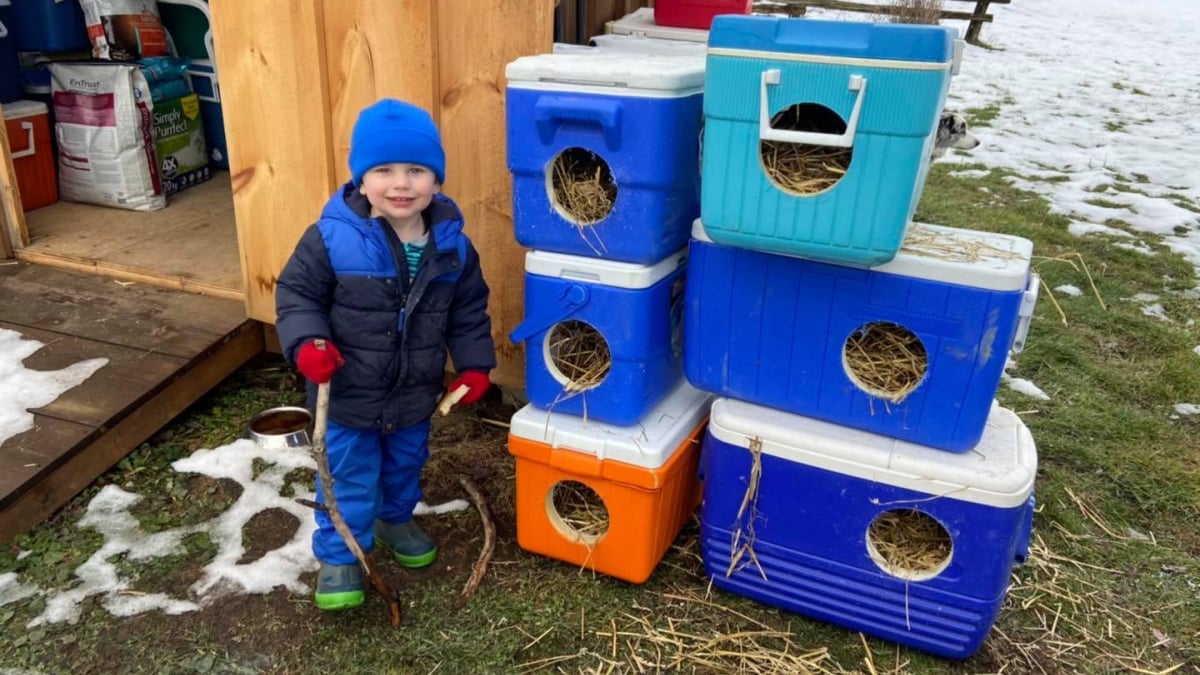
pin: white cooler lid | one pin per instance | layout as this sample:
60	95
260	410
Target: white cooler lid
640	22
600	271
649	444
608	71
994	262
21	109
998	472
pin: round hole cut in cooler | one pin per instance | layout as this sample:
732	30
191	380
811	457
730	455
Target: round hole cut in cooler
887	82
805	169
885	360
897	540
577	512
604	148
577	355
909	544
582	191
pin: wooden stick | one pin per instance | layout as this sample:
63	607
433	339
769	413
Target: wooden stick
479	567
335	515
450	400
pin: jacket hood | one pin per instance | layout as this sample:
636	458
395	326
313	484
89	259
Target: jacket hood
350	206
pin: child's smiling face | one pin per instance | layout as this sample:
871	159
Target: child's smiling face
399	191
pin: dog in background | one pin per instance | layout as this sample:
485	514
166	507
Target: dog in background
952	132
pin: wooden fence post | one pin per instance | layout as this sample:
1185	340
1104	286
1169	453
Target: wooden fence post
977	24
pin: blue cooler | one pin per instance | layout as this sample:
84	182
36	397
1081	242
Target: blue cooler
581	314
886	84
640	114
204	82
783	332
50	26
10	65
899	541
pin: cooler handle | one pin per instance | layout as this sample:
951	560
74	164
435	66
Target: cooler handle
216	85
571	299
845	140
956	64
28	127
551	111
1025	313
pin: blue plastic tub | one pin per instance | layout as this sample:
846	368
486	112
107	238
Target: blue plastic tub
10	65
778	331
874	89
633	117
636	311
823	495
50	26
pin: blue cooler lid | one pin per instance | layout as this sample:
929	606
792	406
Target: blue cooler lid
847	39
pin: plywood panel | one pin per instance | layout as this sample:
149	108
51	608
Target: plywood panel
275	98
479	38
377	49
140	317
192	242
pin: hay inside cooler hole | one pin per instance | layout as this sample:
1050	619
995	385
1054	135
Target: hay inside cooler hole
581	187
577	512
578	355
886	360
805	169
909	544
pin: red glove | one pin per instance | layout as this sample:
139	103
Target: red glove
477	384
317	364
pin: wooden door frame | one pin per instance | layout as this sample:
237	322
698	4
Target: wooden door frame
14	234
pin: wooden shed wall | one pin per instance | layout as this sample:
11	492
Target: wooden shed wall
294	75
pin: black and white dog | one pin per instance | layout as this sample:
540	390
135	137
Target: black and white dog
952	133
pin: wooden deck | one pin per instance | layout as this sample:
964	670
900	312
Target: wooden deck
165	348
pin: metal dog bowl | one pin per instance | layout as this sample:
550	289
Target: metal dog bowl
284	427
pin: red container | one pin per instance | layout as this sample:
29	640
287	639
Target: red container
28	127
695	13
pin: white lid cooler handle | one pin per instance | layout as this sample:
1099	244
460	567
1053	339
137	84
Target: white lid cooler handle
1025	313
844	140
28	127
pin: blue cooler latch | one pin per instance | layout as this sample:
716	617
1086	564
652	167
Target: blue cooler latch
569	301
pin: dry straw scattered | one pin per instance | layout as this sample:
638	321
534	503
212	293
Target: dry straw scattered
928	12
583	188
909	544
886	360
580	511
801	168
580	354
744	536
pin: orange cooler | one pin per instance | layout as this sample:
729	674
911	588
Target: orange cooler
28	127
608	498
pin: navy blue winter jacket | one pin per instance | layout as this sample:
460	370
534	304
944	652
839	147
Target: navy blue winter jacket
347	281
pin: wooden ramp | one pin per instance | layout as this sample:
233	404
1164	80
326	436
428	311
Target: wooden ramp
165	349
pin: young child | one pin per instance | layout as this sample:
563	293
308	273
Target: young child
389	280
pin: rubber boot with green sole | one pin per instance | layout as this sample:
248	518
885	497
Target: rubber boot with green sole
339	587
407	543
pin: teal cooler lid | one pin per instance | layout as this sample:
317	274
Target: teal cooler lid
847	39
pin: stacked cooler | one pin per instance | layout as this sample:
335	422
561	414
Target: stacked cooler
604	153
857	470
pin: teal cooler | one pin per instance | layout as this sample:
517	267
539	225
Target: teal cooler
886	82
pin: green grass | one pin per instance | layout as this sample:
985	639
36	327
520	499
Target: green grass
1111	585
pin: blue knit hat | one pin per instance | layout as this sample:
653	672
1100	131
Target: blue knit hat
394	131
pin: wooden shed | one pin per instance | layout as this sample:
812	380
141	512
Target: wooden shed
293	75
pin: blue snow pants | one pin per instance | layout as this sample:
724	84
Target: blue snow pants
376	475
